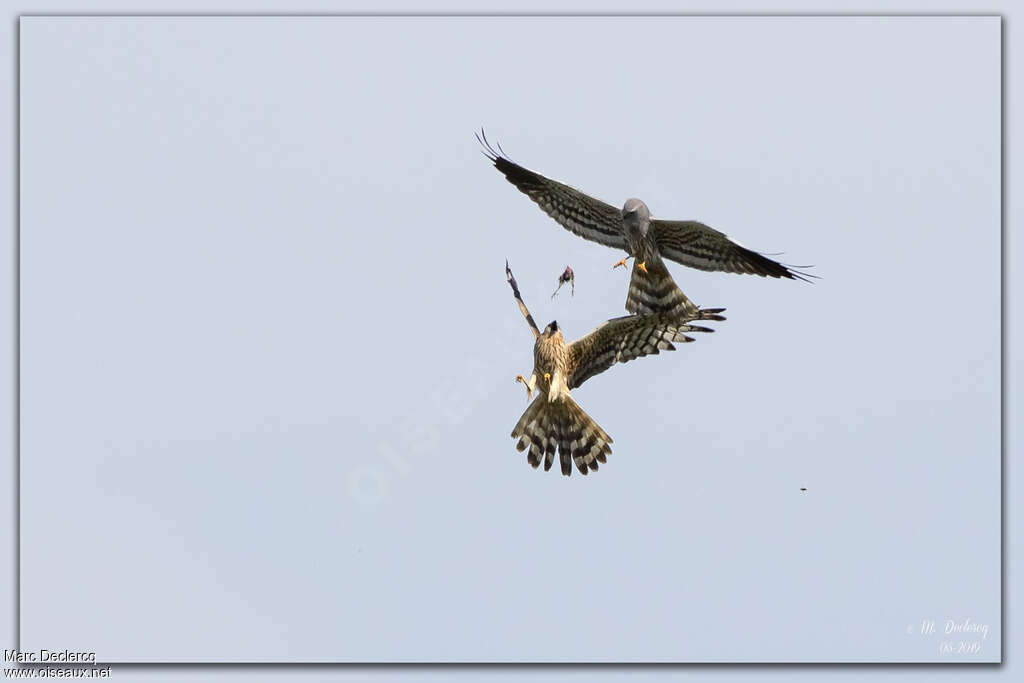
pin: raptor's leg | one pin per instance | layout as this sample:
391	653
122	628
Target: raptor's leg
530	384
642	265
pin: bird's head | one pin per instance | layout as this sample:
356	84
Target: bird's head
636	215
552	329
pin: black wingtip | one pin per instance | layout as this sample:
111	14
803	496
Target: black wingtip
785	270
488	149
793	274
771	268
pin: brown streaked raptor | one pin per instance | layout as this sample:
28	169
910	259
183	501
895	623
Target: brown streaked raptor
554	421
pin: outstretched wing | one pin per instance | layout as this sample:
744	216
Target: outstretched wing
582	215
620	340
519	300
700	246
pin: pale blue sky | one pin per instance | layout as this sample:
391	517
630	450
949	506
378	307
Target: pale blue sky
216	212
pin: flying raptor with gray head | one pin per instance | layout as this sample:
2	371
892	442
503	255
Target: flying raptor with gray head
645	239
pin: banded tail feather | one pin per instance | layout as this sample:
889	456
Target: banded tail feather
561	426
655	291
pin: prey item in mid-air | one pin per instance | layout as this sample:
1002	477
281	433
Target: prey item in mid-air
554	422
645	239
566	276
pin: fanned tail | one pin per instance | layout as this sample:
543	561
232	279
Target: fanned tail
654	291
562	426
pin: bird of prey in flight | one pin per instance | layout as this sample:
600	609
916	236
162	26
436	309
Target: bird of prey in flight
554	421
645	239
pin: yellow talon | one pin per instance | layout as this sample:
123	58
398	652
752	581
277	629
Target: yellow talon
642	266
621	263
547	376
